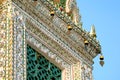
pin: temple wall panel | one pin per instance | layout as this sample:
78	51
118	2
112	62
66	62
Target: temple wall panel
6	41
30	23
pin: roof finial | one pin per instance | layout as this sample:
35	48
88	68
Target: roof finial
93	32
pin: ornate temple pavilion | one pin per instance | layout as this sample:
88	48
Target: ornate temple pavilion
44	40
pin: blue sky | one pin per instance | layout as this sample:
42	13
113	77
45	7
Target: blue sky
105	15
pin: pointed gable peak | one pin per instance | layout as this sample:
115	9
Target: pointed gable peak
93	32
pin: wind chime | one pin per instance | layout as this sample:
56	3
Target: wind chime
101	60
93	34
69	27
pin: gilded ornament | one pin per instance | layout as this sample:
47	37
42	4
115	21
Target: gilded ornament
101	57
69	27
86	42
52	13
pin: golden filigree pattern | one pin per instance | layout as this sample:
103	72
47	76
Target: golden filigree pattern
6	39
76	71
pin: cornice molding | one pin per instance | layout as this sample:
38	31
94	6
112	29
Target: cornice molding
77	56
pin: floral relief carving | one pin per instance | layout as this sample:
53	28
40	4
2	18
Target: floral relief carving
86	72
19	45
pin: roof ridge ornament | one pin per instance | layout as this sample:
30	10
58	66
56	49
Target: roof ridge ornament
93	32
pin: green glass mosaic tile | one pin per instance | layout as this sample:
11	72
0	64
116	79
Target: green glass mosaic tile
39	68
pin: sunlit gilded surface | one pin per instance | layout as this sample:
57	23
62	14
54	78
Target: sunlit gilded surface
32	24
6	40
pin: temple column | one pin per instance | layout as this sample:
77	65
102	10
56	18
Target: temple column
6	41
76	71
19	44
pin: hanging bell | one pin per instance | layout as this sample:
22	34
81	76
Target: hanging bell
52	13
86	42
69	27
101	63
101	57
